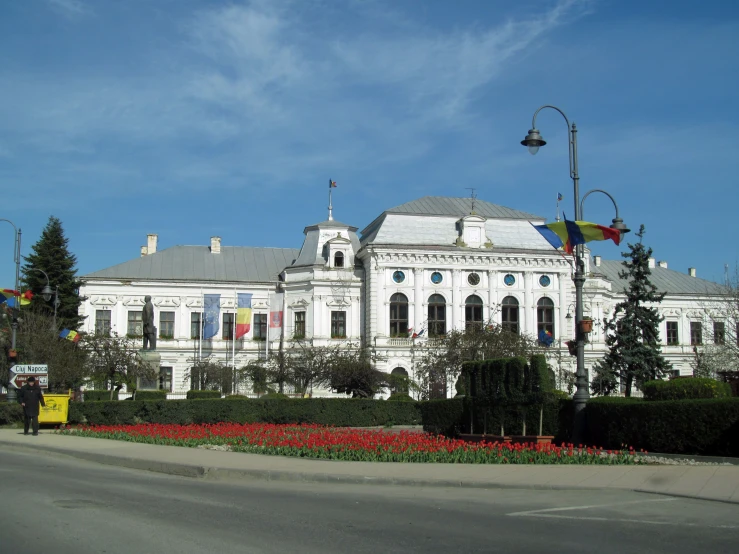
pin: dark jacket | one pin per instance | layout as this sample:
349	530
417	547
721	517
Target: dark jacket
32	397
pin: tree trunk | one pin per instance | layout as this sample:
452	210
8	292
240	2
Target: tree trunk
541	420
629	382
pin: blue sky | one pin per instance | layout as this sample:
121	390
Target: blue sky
193	118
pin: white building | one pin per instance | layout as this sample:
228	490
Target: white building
429	266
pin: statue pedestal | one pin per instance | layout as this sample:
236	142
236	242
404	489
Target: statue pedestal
152	359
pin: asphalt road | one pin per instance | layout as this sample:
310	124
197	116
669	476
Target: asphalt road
69	506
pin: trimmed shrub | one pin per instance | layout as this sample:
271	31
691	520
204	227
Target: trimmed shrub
10	413
197	394
236	397
326	411
685	389
400	397
99	395
151	395
443	417
274	396
702	426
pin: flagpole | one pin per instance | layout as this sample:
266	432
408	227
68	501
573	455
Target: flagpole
200	325
266	331
330	205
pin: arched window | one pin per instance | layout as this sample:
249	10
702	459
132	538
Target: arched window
437	315
339	259
545	316
398	315
473	311
399	381
510	314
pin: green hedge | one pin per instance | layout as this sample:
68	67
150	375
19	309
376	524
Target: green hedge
10	413
703	426
326	411
686	388
199	394
151	395
99	395
444	417
400	397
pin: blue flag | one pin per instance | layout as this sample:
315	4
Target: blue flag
212	312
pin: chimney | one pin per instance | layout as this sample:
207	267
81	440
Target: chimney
662	264
151	244
143	251
651	263
691	271
596	261
215	245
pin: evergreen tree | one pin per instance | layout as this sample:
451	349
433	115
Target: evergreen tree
52	256
632	334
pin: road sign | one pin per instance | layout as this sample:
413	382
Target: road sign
30	369
19	380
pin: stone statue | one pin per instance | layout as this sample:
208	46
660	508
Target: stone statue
150	331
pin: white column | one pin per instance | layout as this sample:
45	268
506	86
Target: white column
493	294
564	302
382	308
529	315
417	299
457	300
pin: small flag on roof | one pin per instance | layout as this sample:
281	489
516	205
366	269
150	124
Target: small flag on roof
331	184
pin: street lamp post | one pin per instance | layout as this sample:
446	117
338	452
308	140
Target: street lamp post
14	313
534	141
47	292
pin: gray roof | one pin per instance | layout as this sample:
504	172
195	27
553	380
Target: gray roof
197	263
312	253
666	280
460	207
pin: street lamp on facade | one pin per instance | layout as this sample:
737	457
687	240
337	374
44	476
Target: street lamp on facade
533	142
14	313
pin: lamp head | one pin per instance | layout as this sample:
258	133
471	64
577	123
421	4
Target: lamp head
533	141
47	292
568	316
619	225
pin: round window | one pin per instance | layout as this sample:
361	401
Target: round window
473	279
436	278
398	276
545	281
509	280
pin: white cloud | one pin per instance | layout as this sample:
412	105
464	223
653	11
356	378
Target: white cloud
70	8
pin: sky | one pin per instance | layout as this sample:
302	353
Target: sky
195	118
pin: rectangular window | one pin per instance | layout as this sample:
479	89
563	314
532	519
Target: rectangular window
228	327
299	331
166	325
196	325
719	332
102	322
135	324
260	326
696	333
338	325
165	379
673	338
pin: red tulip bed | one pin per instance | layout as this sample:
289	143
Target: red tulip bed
349	444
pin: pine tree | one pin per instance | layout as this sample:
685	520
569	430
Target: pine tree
632	334
51	255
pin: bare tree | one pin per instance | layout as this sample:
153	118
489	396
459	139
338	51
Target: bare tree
37	342
114	362
719	352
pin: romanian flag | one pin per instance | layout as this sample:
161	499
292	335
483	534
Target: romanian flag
331	184
8	296
74	336
569	234
243	315
559	197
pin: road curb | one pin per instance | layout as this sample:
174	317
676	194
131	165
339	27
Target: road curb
265	475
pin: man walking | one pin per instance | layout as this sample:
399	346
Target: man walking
30	397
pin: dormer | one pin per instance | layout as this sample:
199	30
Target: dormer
472	232
338	252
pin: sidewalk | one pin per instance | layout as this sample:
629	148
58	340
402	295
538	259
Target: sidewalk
703	482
